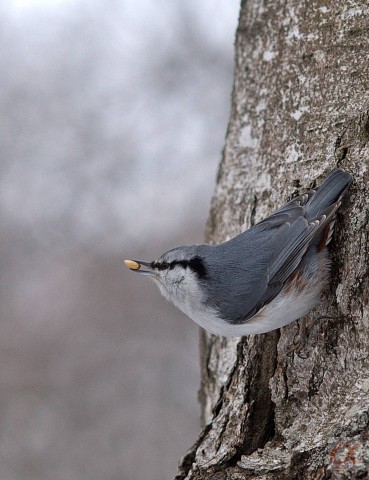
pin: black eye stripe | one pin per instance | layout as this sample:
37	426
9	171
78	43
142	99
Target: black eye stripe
196	265
160	265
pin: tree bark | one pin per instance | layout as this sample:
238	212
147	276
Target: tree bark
300	107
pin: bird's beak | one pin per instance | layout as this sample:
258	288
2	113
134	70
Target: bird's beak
136	266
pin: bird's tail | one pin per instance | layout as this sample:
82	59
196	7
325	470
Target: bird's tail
329	193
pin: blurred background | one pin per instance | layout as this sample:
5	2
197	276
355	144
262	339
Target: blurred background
113	117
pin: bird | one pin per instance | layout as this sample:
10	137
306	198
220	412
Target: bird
264	278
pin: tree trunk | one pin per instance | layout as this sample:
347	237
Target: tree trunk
300	106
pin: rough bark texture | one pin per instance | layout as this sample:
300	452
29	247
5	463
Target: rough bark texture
300	106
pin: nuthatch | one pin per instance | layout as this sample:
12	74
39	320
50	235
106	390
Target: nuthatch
262	279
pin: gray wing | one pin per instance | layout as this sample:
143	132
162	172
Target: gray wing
302	230
265	256
294	238
297	239
251	269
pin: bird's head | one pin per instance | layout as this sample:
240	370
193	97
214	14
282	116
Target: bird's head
178	273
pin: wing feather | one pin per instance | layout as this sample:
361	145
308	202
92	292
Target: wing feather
271	251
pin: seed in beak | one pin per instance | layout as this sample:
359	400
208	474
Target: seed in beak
131	264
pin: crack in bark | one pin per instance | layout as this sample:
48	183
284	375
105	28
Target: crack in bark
260	422
253	211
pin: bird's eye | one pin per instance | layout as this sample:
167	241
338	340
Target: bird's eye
160	265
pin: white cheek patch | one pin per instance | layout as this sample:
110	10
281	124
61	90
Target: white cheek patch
181	287
169	283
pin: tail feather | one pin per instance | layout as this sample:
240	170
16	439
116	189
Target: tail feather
330	192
